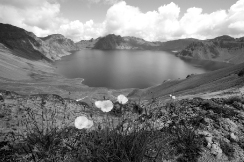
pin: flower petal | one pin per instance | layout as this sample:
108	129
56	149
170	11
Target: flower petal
98	104
107	106
81	122
122	99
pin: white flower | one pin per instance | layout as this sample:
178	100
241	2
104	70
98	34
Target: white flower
122	99
98	104
82	122
106	105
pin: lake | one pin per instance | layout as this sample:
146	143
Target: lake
129	68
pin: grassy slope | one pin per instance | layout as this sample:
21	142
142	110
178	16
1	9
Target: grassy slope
218	80
19	68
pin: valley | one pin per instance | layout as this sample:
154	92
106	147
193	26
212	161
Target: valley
37	104
27	62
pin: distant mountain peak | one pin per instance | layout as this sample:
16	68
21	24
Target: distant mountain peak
224	37
53	36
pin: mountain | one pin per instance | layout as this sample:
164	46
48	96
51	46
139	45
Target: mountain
112	42
86	44
27	45
58	45
223	48
22	43
177	45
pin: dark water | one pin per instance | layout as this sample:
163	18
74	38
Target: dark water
129	69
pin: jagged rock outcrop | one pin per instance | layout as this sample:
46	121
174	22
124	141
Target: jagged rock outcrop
58	45
223	48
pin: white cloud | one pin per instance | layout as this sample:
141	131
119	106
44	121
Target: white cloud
239	25
109	2
165	23
76	30
43	17
38	16
128	20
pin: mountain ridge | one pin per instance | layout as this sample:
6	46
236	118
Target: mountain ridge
223	48
27	45
117	42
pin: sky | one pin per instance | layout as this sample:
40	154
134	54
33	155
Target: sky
152	20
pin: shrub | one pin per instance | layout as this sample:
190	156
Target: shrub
225	112
187	144
231	100
227	149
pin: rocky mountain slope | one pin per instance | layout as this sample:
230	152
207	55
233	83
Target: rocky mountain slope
59	45
223	48
86	44
113	42
25	44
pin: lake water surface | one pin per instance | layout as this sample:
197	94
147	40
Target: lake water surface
129	69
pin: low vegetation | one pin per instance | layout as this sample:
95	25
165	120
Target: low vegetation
129	132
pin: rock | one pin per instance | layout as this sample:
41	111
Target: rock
216	150
10	101
229	125
233	137
208	138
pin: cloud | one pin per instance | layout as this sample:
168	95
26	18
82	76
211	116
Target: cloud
76	30
109	2
165	23
128	20
38	16
44	18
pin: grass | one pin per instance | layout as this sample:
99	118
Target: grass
127	134
227	149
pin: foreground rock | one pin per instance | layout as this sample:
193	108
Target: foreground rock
212	130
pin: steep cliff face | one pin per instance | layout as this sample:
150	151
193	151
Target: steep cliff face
26	44
223	48
22	43
58	45
109	42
